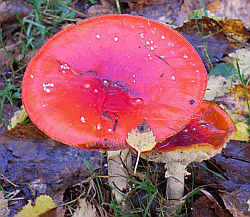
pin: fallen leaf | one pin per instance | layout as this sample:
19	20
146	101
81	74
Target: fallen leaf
141	142
192	6
242	55
7	113
53	212
237	201
224	76
236	30
101	9
233	163
9	8
207	37
4	211
141	139
4	62
242	132
234	9
57	165
198	14
204	206
229	9
218	86
18	117
164	11
235	101
224	70
85	209
26	131
42	204
211	7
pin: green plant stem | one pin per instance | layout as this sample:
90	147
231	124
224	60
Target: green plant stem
211	171
243	86
118	6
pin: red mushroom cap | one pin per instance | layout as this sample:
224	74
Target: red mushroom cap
91	83
208	131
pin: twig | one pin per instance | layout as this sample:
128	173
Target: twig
72	9
61	18
9	180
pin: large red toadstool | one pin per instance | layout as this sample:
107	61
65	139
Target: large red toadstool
204	137
93	82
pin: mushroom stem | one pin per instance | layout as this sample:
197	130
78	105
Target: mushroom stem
175	180
117	163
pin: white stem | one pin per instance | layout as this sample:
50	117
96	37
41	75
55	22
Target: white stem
175	184
116	160
137	161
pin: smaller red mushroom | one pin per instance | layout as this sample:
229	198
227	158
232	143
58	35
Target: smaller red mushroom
204	137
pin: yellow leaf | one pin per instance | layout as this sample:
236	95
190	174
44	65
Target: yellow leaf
42	204
235	102
242	132
18	117
235	30
141	140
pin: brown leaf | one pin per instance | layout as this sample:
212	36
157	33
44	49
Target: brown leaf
234	9
164	11
237	201
234	162
213	46
85	209
10	7
188	6
99	10
235	29
56	166
206	208
26	131
4	63
229	9
4	211
235	100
